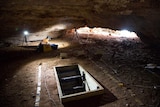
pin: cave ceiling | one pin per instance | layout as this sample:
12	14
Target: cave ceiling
140	16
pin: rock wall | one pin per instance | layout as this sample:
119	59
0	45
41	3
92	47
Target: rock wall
141	16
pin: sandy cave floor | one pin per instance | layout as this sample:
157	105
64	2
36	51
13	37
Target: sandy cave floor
117	65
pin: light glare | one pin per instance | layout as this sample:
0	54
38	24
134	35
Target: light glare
125	33
26	33
107	32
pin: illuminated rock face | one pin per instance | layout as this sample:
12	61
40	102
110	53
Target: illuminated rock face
141	16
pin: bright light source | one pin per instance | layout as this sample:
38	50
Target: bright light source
128	34
25	33
125	33
107	32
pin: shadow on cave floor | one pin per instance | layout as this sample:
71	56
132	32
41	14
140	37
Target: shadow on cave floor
94	101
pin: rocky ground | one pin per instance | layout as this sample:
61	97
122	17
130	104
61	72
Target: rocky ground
117	63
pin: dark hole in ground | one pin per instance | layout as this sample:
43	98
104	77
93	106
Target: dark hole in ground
94	101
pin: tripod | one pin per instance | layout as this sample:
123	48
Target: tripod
24	41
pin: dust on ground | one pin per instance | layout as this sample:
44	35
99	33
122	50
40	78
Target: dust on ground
118	64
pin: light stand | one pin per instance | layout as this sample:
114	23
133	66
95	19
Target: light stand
26	33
